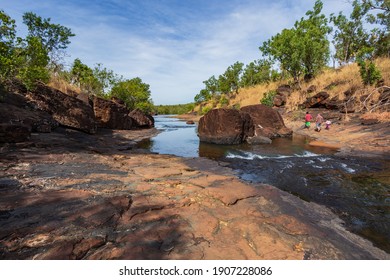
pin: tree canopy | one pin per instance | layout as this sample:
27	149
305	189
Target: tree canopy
135	94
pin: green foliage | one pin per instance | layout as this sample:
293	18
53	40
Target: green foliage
369	73
33	68
106	79
54	37
134	93
257	72
174	109
205	110
230	80
28	58
268	98
303	49
236	106
350	35
202	96
7	45
83	77
223	101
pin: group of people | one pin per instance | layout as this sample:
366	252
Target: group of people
319	121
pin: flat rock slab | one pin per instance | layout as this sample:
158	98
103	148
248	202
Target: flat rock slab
58	202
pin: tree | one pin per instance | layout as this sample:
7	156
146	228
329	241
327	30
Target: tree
349	36
7	44
303	49
380	36
203	95
313	32
106	78
256	72
134	93
54	37
230	80
83	77
35	59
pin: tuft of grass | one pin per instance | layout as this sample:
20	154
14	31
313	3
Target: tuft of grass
60	83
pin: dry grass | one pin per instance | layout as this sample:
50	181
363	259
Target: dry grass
60	84
382	117
334	81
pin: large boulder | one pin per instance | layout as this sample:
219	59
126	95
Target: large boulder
267	121
225	126
141	120
110	114
66	110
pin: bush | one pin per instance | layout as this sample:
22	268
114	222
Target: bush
268	98
205	110
369	73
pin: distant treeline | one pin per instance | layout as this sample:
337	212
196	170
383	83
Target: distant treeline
174	109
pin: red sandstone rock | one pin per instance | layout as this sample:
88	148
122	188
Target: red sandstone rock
225	126
66	110
111	114
267	121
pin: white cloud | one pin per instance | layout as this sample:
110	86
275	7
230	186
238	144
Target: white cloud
172	50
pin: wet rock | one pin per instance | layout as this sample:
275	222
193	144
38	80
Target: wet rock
225	126
267	121
66	110
258	140
111	115
141	120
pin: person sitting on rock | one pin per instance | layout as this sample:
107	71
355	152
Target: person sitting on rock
308	118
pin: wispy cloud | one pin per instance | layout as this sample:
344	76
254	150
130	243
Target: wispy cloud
172	45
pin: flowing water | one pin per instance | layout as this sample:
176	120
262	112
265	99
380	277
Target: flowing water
356	189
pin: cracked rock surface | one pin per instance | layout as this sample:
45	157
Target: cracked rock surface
68	195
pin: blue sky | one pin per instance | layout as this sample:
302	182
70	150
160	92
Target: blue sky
172	45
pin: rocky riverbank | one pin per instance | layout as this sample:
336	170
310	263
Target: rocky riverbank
353	137
71	195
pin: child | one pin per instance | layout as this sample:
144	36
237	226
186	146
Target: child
327	124
308	118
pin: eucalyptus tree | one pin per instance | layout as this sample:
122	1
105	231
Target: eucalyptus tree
303	49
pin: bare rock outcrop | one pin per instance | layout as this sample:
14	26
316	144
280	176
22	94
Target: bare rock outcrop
66	110
141	120
111	114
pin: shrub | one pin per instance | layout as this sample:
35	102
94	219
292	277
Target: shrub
268	98
369	73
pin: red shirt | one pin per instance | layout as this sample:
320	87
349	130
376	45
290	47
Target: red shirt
308	117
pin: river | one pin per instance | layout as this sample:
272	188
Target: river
356	189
